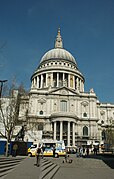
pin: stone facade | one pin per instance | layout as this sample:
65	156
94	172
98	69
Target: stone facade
57	106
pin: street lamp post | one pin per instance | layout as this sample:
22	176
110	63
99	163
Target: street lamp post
1	87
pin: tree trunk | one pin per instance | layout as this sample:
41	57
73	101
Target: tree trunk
7	148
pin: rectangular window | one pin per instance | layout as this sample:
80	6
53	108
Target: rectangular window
63	106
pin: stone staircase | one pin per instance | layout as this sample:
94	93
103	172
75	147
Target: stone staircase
7	164
48	169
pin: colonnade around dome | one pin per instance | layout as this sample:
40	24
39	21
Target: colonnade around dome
58	79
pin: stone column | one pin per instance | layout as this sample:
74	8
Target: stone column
46	79
63	79
52	79
77	81
32	83
61	130
68	80
73	134
68	134
41	85
80	85
54	131
73	82
50	126
57	79
37	81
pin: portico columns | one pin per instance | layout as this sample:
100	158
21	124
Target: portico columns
73	134
68	135
54	130
61	130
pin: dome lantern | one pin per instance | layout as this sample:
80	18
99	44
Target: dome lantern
58	41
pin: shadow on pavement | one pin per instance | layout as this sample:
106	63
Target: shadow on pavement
108	159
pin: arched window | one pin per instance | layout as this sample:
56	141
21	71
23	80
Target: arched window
40	127
85	131
84	114
41	112
63	106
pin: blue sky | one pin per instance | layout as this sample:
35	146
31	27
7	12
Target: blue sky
28	29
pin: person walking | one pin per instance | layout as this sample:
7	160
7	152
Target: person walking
15	147
54	149
87	151
38	153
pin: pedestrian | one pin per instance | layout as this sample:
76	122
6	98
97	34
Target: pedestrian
87	151
76	152
38	153
81	152
95	150
54	149
14	152
84	153
43	149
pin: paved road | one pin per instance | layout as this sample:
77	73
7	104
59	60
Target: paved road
94	167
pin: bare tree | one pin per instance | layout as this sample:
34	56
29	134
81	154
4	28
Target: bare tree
9	111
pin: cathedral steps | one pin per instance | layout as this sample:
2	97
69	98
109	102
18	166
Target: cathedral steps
48	169
8	164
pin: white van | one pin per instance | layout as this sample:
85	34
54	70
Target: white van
48	148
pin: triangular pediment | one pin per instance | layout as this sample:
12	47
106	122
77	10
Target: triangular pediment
63	91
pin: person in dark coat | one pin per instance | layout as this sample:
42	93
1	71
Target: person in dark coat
54	149
38	153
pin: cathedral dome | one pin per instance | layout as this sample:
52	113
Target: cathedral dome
57	68
58	52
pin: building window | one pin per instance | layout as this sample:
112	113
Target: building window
85	131
84	114
41	112
40	127
63	106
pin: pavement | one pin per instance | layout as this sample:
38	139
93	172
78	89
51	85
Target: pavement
91	167
26	169
94	167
